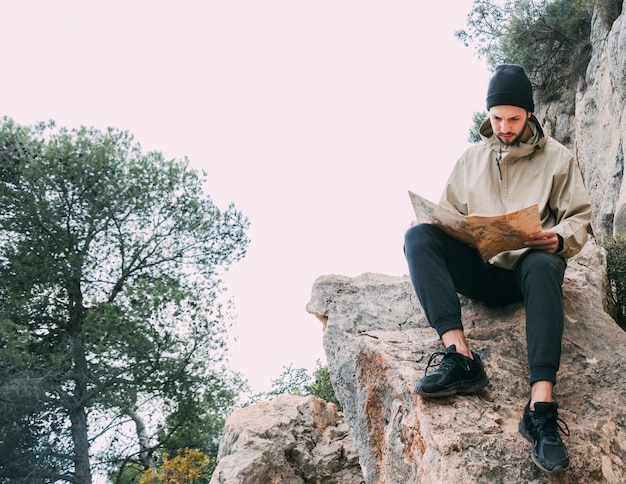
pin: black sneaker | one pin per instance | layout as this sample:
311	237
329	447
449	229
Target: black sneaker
456	374
541	427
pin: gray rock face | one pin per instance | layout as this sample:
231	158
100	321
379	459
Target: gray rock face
594	125
378	342
290	440
601	125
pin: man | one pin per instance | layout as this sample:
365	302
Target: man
515	166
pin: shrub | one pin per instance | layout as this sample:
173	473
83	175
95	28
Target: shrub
190	466
297	381
474	131
550	38
616	271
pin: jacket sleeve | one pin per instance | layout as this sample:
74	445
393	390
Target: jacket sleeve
454	193
570	204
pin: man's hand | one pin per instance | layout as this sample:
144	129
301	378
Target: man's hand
547	241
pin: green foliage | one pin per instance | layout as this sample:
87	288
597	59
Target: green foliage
550	38
477	120
322	386
198	423
292	381
616	271
110	260
297	381
487	24
128	473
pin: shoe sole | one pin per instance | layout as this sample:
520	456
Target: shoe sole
557	469
460	388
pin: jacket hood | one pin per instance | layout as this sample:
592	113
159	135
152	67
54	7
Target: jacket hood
486	133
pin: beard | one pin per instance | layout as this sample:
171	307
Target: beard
510	138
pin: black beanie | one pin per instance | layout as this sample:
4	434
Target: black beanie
510	86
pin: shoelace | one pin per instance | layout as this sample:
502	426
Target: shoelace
447	360
444	363
559	424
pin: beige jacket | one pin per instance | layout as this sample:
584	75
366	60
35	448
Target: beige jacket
542	171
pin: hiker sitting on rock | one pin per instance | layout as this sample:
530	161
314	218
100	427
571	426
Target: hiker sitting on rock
515	166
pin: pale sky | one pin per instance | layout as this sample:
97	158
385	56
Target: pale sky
314	118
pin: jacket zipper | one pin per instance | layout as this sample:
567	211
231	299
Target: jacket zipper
498	159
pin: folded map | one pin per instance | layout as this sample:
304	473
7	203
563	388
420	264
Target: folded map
489	234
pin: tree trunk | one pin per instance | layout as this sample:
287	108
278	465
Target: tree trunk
145	451
78	414
78	410
82	471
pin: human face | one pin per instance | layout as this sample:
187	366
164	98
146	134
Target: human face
509	123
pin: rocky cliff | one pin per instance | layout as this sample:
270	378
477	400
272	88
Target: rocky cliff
594	124
377	343
290	440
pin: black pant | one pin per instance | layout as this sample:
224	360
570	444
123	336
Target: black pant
440	266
